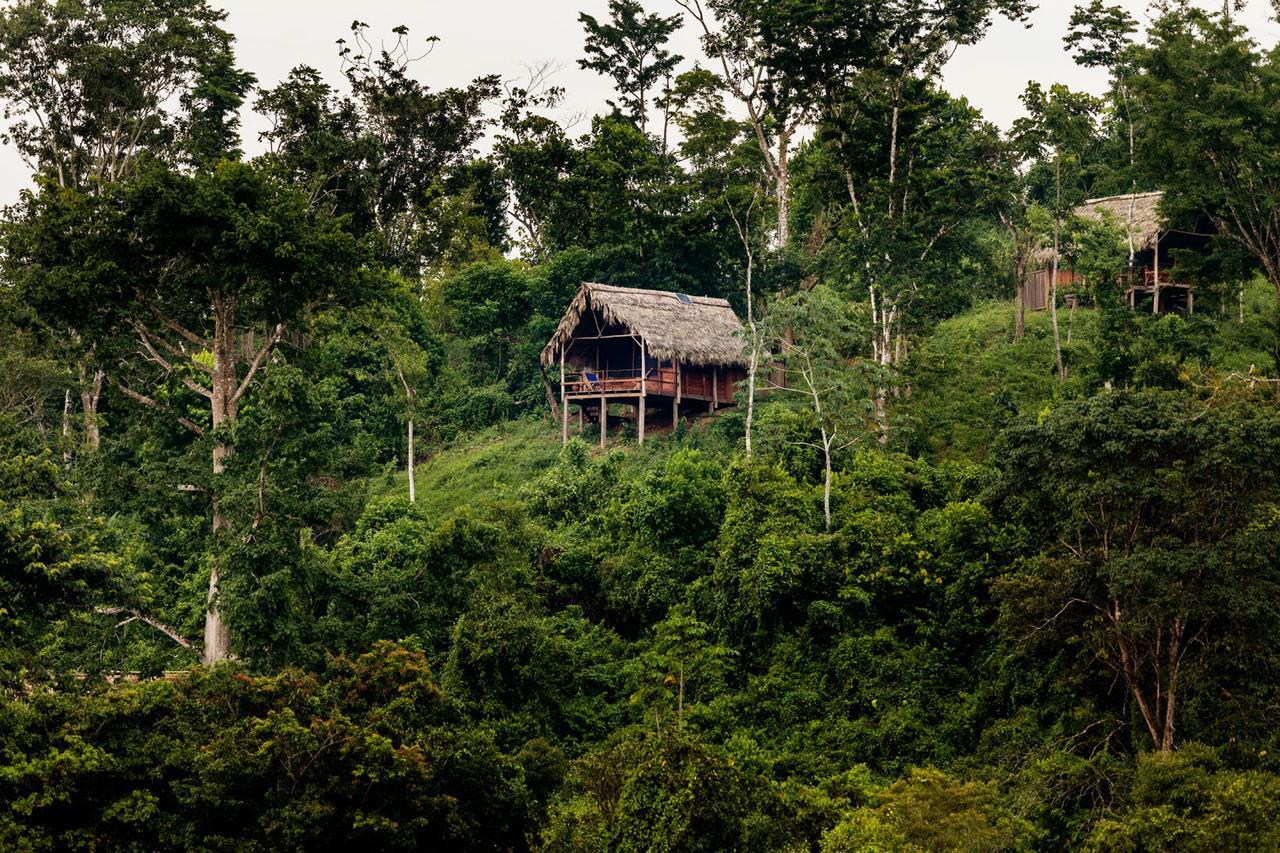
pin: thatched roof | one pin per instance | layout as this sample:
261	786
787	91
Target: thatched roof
702	331
1142	207
1146	223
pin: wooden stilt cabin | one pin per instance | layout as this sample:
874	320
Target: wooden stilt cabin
1153	284
650	351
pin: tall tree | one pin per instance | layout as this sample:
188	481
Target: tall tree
1210	102
630	48
205	273
900	235
534	152
1101	37
1154	517
775	109
819	339
866	65
90	87
390	153
1058	125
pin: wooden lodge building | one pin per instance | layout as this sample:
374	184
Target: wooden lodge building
654	350
1154	283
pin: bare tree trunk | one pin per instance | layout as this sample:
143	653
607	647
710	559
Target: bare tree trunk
66	429
680	698
90	394
1019	316
883	316
546	386
412	490
408	396
217	636
826	482
782	187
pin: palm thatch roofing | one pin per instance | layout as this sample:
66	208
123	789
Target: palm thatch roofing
1137	213
697	330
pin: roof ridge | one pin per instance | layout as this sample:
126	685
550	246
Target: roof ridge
1146	194
671	294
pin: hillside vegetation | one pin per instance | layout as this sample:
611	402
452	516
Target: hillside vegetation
292	553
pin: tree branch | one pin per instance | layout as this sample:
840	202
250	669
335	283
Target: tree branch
169	632
272	340
151	403
169	322
155	356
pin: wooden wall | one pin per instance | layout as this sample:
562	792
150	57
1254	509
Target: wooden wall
1036	286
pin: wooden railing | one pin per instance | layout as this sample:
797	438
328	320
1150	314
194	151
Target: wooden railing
1166	277
588	382
716	385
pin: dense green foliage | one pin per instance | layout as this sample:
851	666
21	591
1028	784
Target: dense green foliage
952	578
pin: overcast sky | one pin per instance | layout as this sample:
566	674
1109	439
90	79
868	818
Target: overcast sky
503	36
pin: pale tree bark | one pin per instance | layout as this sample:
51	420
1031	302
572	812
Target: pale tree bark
139	616
827	433
1021	255
224	389
743	227
884	315
66	428
745	81
408	393
90	394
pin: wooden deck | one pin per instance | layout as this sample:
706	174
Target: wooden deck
715	387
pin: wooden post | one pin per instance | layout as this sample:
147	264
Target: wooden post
675	407
1155	291
715	387
581	419
564	404
644	391
604	419
1191	301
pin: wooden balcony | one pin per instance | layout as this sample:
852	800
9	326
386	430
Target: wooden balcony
1165	279
711	385
594	383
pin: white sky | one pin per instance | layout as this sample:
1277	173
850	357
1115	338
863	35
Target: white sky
503	36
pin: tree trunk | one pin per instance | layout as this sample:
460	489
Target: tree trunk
680	699
412	491
755	350
217	637
782	189
66	429
883	316
90	394
826	482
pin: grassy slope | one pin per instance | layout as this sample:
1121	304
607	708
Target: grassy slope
483	465
492	463
970	378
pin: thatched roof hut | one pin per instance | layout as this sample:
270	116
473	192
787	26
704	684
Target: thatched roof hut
695	330
1137	211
